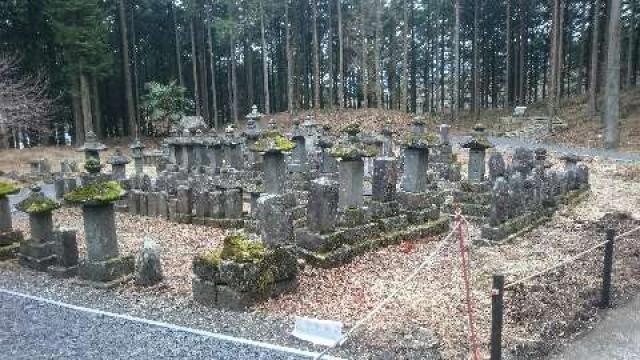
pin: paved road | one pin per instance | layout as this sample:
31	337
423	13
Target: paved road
34	330
616	337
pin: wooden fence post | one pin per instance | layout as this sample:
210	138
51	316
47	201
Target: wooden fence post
497	306
605	296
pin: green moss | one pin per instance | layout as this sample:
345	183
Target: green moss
272	140
238	248
352	151
423	140
210	258
100	192
352	129
8	187
37	204
265	281
92	165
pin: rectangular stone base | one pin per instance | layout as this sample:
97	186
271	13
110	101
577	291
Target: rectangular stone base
9	251
108	273
63	272
224	223
347	251
38	264
10	237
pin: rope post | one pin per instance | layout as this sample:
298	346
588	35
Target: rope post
497	307
605	296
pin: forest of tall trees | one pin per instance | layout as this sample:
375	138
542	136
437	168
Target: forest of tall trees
432	56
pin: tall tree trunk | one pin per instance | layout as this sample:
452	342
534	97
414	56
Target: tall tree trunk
507	75
612	88
630	42
340	57
202	60
178	45
214	95
456	62
85	101
194	66
555	54
136	77
265	64
97	111
413	93
365	50
234	77
405	56
290	84
595	47
330	54
316	56
376	55
76	105
128	86
522	54
476	60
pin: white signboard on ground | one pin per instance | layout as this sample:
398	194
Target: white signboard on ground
318	332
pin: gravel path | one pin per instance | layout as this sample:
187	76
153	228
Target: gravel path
36	330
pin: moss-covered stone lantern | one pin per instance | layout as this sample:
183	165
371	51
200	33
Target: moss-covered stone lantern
273	145
92	147
37	252
103	264
8	237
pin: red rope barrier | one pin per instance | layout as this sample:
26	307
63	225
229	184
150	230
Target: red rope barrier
464	267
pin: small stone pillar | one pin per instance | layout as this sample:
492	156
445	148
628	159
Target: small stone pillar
299	152
570	170
37	251
477	145
443	134
275	223
328	164
92	147
232	150
523	161
138	158
497	166
416	157
118	164
251	134
103	265
387	140
184	206
385	178
66	253
310	133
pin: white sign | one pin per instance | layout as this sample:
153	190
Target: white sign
319	332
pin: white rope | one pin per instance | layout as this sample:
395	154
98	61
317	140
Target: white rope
393	294
570	260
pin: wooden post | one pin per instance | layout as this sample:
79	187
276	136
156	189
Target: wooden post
607	269
497	306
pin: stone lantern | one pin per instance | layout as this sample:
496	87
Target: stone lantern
37	252
92	147
103	265
138	157
350	153
477	145
118	162
310	132
387	139
328	164
252	133
416	157
273	145
8	237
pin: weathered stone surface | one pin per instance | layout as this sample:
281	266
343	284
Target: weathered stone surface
385	179
351	183
109	272
275	223
415	169
216	205
100	232
184	203
163	205
274	172
233	203
148	268
500	202
322	208
204	291
522	161
497	166
476	164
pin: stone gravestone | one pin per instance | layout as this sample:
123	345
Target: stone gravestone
497	166
385	178
275	223
500	202
477	145
148	267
